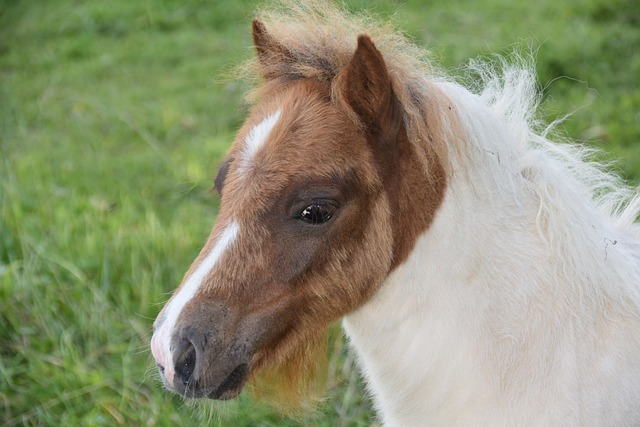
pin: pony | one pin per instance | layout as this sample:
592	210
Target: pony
484	274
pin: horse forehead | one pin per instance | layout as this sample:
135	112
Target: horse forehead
302	132
289	139
259	134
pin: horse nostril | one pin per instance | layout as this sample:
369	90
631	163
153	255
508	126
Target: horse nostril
160	368
186	363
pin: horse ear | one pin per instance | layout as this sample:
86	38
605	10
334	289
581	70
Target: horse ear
268	49
368	87
261	39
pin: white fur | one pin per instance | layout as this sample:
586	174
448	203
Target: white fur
161	340
256	139
520	305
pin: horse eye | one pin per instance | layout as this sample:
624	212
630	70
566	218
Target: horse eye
317	213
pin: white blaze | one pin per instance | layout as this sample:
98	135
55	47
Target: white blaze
256	139
161	341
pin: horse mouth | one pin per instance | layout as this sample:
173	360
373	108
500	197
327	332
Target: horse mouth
232	385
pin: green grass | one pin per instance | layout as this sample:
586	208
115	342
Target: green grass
113	117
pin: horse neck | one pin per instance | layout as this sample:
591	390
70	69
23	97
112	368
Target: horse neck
412	332
471	277
418	337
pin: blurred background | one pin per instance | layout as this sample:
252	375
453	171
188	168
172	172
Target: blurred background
113	118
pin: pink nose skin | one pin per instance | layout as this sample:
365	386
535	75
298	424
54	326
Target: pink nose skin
162	359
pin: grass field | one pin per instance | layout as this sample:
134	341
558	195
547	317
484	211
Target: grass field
113	117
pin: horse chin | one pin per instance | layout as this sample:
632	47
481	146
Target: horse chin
231	387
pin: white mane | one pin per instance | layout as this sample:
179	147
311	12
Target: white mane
584	209
512	94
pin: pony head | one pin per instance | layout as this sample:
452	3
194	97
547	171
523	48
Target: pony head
322	194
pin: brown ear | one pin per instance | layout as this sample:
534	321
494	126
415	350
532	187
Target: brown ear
368	87
270	51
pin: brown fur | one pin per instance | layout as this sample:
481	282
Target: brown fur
390	145
315	40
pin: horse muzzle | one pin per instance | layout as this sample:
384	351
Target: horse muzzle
204	357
